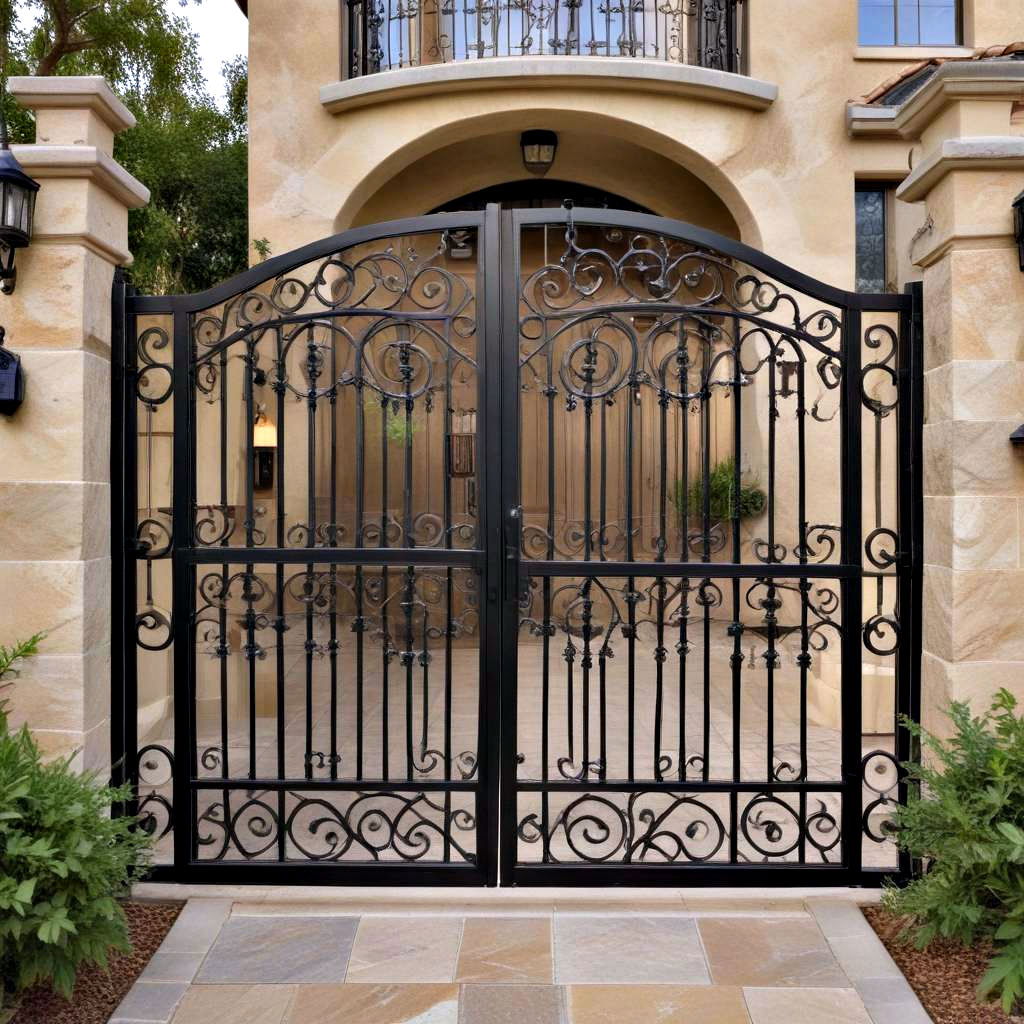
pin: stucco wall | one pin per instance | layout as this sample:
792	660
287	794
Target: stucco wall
785	174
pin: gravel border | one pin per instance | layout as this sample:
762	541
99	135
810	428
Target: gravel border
945	975
98	992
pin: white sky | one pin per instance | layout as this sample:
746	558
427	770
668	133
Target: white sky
223	33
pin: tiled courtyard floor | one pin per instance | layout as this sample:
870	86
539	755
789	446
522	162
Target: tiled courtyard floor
547	960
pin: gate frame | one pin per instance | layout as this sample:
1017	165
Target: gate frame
497	319
849	573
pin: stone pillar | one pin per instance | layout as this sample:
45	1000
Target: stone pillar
55	463
969	167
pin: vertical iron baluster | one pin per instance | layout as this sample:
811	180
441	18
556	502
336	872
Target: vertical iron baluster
250	534
851	588
312	359
632	396
589	373
280	625
446	462
405	370
771	658
659	556
736	628
408	661
602	514
222	611
586	663
385	596
705	444
803	659
124	503
425	686
683	510
184	584
550	392
332	540
773	414
358	624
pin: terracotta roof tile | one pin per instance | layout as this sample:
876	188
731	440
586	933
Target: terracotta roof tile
985	53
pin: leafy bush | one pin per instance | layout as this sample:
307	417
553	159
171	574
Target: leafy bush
63	861
11	656
967	825
722	495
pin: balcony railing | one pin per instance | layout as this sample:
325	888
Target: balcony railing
387	34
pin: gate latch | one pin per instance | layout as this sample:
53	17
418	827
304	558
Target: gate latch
513	546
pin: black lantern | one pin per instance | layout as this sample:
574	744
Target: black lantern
264	451
539	147
1018	226
17	207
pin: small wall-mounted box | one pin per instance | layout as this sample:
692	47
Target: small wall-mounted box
12	380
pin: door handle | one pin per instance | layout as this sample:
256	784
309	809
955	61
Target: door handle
513	546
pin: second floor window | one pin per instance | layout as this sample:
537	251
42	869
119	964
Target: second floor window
909	22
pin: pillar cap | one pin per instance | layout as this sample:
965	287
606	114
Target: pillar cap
78	92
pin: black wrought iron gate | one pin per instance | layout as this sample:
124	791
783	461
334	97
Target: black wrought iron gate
581	544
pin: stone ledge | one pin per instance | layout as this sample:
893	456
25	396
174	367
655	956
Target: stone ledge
79	92
957	80
549	72
909	54
86	162
1001	152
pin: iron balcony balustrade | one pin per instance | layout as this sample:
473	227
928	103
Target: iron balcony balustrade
383	35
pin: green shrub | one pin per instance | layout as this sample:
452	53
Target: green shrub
63	862
11	656
722	495
966	824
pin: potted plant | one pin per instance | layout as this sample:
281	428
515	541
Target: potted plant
725	503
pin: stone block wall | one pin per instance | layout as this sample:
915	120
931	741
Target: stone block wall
55	467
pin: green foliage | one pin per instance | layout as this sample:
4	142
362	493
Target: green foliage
722	495
63	860
261	246
21	649
396	426
191	154
965	820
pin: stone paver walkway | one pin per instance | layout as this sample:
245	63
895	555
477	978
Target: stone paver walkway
553	959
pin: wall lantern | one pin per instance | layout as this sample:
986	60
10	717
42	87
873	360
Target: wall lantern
12	380
17	208
539	147
264	445
1018	226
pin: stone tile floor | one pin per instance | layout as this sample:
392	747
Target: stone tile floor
552	959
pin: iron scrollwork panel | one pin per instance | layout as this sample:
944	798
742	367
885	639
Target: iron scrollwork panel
149	494
655	373
358	374
688	388
386	34
885	563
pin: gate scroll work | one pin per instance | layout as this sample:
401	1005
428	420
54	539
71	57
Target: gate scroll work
542	546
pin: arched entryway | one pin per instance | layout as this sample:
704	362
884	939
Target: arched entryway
534	545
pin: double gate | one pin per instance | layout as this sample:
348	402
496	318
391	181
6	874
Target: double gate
548	546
